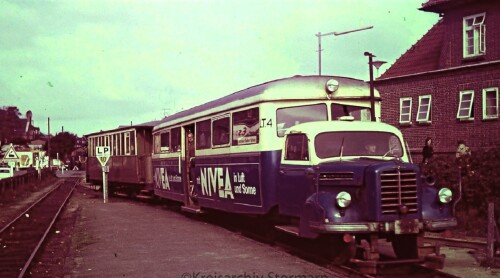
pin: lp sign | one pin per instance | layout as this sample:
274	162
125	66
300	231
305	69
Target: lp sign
103	153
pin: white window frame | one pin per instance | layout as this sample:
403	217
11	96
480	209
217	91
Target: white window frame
421	107
126	143
485	104
463	105
404	115
478	32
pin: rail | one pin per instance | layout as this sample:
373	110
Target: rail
22	238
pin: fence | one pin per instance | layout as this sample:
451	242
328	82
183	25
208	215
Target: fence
29	178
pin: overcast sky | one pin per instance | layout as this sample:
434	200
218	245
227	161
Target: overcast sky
94	65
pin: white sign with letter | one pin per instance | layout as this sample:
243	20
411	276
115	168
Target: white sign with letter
103	153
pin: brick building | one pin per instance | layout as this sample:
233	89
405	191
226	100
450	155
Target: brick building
446	85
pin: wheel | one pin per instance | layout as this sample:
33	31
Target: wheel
337	251
405	246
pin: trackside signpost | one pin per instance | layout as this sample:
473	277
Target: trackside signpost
103	153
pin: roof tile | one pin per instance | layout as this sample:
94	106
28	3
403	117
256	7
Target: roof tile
423	56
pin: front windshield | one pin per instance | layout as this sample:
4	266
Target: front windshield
357	143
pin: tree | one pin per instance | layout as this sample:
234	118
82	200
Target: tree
10	123
63	144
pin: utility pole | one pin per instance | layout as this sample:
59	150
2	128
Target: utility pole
319	35
372	64
48	140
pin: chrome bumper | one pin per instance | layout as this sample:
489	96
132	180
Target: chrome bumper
398	227
442	224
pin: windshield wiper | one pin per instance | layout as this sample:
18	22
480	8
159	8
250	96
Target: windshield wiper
342	149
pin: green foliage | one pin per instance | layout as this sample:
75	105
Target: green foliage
480	178
9	124
63	144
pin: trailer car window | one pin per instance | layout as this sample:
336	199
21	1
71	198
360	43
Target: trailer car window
164	142
126	143
132	142
176	140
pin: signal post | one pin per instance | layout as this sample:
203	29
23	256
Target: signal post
103	153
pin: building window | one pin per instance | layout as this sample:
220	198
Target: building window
466	106
405	110
424	109
490	103
474	35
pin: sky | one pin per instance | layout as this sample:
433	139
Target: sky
92	65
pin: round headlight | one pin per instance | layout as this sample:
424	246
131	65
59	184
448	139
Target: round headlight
331	86
445	195
343	199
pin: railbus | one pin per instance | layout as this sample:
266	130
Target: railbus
130	169
292	151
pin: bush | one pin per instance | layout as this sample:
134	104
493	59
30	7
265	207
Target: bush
480	179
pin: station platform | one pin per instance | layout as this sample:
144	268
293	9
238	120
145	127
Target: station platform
132	239
128	238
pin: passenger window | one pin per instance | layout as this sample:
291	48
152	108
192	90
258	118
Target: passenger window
357	112
132	142
290	116
156	142
296	147
203	135
176	140
126	143
164	142
220	131
246	127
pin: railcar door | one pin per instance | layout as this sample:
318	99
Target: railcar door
294	186
188	165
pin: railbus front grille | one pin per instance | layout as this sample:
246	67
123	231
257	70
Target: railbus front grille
398	188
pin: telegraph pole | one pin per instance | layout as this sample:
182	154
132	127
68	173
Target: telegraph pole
48	140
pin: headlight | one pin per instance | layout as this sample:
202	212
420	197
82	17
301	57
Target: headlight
445	195
343	199
332	86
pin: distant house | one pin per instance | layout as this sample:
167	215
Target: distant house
30	132
446	85
25	129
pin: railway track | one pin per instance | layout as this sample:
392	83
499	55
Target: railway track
456	242
22	237
312	251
